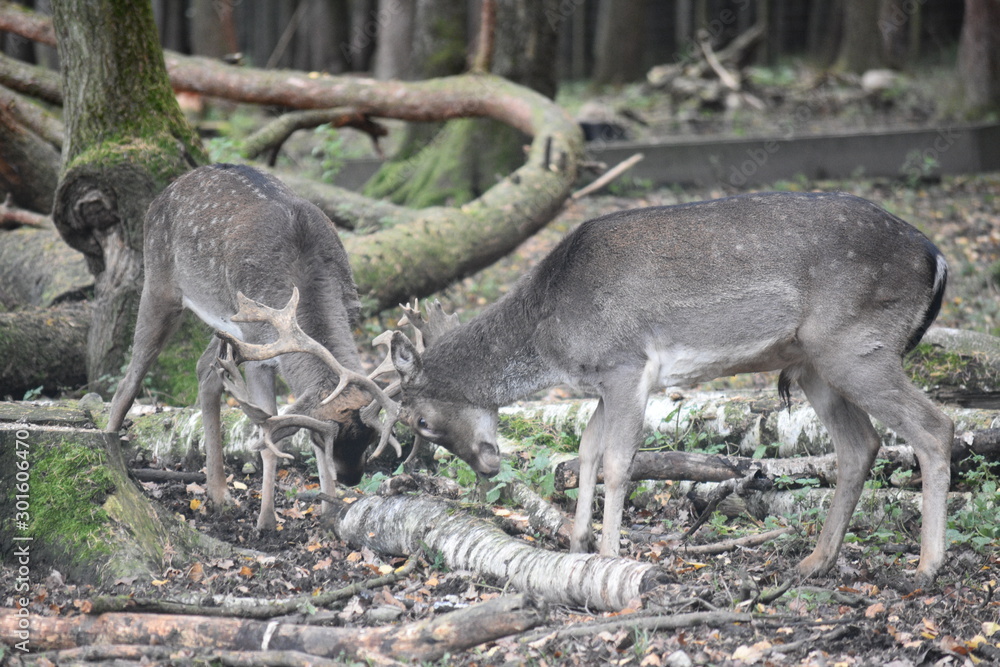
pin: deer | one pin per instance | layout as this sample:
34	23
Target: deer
827	288
266	269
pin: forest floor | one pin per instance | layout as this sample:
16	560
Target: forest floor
864	612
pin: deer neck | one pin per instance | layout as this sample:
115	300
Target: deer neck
491	360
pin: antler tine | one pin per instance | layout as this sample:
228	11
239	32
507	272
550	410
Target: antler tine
234	383
428	327
291	338
382	445
267	442
386	367
412	316
369	415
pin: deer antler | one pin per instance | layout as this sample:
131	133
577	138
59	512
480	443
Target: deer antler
426	329
430	327
234	383
291	338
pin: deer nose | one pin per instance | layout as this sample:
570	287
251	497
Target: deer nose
488	459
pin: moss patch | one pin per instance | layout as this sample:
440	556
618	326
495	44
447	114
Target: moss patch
931	366
69	482
537	433
85	517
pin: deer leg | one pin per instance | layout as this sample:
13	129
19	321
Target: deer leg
157	319
856	444
260	384
327	472
591	442
209	395
886	393
622	436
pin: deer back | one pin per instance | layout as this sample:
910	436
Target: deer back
713	288
226	229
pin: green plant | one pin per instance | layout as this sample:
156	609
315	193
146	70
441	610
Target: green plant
537	434
918	167
224	149
435	558
32	394
329	150
977	523
370	483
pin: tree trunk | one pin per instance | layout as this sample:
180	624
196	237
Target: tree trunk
618	55
394	50
979	56
434	45
861	45
826	18
465	158
80	512
125	141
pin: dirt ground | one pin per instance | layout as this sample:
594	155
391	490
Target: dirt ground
865	612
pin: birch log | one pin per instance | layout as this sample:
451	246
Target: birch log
401	525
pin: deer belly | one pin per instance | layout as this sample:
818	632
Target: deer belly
210	317
686	366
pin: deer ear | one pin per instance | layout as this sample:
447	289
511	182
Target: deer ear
405	357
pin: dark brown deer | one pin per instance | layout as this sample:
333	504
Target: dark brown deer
827	288
233	244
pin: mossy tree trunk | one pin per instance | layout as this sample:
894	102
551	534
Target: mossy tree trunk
466	157
126	139
414	253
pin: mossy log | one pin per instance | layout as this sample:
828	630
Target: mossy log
37	268
68	500
747	423
29	165
43	347
31	80
429	248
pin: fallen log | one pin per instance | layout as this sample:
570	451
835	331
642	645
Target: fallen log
38	269
401	525
821	470
420	641
57	339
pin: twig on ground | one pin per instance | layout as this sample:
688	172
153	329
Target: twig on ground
738	542
608	176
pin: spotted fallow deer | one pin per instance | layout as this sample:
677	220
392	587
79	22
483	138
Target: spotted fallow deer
234	245
827	288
